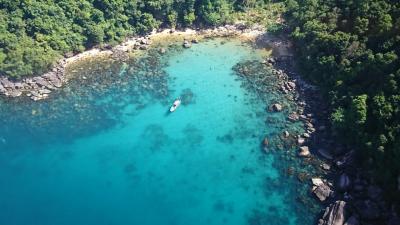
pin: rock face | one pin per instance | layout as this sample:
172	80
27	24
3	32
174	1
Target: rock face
334	214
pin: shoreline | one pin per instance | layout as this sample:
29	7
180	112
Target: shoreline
40	87
346	187
347	193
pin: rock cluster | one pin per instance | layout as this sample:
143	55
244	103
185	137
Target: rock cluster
352	196
36	88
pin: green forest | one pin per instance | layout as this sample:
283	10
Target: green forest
34	33
351	50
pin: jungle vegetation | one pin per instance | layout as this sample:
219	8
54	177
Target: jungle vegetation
351	49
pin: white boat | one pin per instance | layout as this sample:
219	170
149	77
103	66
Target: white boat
174	106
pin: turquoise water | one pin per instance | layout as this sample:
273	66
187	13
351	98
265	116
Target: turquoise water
105	150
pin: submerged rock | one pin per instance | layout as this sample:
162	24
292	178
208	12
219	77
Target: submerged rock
286	134
266	142
277	107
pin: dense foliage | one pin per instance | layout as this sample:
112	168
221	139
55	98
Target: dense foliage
33	33
351	49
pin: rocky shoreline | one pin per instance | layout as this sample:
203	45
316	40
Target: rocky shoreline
350	195
40	87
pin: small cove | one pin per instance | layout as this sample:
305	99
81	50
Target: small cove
104	150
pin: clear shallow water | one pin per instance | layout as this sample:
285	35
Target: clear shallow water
116	156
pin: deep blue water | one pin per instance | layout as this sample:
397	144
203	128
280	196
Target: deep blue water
104	150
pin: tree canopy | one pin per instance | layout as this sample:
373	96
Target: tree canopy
351	49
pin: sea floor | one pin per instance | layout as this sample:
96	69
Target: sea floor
106	151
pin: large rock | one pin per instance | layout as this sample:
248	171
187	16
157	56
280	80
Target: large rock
291	85
317	181
301	141
304	151
334	214
187	44
323	192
